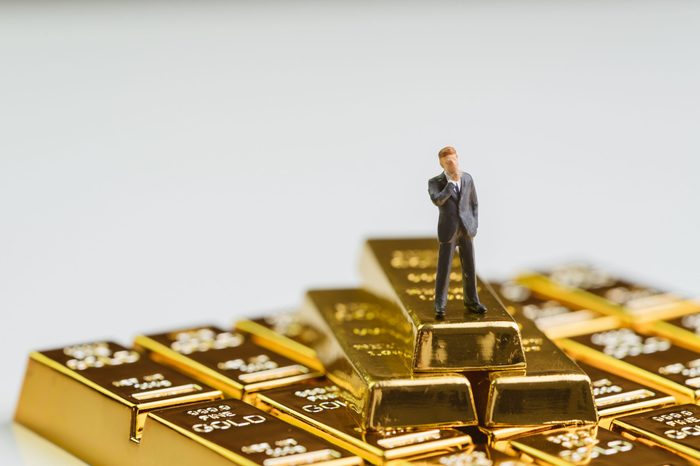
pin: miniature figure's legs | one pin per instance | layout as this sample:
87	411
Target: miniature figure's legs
466	257
442	280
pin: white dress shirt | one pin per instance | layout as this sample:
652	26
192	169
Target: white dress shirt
450	180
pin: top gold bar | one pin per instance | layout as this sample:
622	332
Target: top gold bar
403	271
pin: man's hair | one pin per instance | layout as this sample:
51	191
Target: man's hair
447	150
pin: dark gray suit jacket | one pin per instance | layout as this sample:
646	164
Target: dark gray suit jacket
455	209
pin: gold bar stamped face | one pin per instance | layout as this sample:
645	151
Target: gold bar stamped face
319	407
676	428
588	286
617	396
403	271
551	390
229	361
283	334
231	431
647	359
554	318
368	355
597	447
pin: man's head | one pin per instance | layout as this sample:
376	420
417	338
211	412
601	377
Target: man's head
448	160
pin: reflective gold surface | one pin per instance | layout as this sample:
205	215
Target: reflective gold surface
554	318
318	406
403	271
229	361
593	288
646	359
85	396
284	334
676	428
368	355
551	390
583	447
617	396
229	432
478	455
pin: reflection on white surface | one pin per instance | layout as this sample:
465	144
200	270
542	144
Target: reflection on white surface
35	450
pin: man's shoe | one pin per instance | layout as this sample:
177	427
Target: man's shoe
476	308
439	312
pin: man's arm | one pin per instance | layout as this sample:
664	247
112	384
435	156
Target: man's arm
474	201
439	197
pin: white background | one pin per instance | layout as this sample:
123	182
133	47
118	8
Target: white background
169	164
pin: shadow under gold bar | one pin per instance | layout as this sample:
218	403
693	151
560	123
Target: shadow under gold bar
617	396
229	432
318	406
590	447
229	361
92	399
649	360
554	318
552	390
592	288
368	355
676	429
403	271
282	333
477	455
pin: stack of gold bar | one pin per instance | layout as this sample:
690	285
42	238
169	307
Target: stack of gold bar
570	366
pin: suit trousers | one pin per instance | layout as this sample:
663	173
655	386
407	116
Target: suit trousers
463	241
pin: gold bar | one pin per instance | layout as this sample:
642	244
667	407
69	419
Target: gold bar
368	355
676	429
229	361
617	396
86	396
649	360
586	286
403	271
229	432
684	330
554	318
552	390
282	333
477	455
318	407
583	446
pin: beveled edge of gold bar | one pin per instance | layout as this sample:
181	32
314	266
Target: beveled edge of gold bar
579	297
55	365
632	372
571	296
499	434
371	453
278	343
620	426
678	335
161	353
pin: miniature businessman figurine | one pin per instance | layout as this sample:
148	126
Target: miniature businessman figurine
454	193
